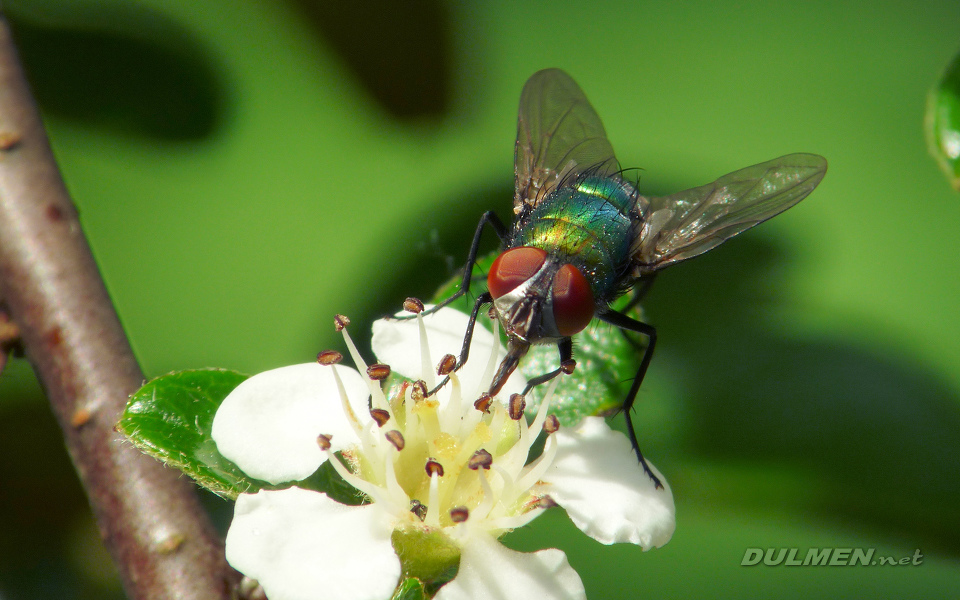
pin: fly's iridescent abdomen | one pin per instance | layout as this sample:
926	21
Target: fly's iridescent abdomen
587	224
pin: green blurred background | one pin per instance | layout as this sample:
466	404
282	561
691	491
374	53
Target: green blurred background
245	169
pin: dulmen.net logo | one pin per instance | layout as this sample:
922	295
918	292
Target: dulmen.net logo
825	557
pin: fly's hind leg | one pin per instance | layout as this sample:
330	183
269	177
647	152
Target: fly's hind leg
624	322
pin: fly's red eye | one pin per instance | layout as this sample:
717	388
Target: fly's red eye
512	268
572	301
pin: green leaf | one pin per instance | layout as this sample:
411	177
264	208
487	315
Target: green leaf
327	480
606	359
606	364
943	122
170	418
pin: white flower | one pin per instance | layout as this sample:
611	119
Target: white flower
443	479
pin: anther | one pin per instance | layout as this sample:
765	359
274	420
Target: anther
340	321
434	468
413	305
447	364
459	514
378	372
516	406
492	312
480	458
380	416
568	366
418	508
396	438
483	403
419	391
329	357
323	440
551	424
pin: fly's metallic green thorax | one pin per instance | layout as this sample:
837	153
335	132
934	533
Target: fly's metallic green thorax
589	224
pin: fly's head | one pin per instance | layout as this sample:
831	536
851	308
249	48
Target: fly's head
538	298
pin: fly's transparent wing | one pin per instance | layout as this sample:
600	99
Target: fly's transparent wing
688	223
558	135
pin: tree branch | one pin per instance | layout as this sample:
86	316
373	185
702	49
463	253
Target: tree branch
149	516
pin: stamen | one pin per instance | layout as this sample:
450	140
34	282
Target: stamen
433	502
498	422
419	391
378	372
483	403
480	459
408	404
516	406
528	435
329	357
493	360
378	400
396	438
457	418
459	514
426	367
542	412
393	486
508	482
377	493
551	424
380	416
486	505
345	402
434	468
447	364
532	473
413	305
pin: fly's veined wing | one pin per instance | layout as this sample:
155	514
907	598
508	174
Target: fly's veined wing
688	223
558	135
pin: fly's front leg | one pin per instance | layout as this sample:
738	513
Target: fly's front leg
488	218
625	322
484	298
567	364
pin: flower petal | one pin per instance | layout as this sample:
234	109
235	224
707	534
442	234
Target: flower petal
596	479
491	571
301	545
268	426
394	342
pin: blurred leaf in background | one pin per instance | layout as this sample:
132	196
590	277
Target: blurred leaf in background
246	169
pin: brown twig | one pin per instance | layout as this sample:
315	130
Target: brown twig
149	517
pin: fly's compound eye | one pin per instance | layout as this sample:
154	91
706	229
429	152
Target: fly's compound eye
512	268
572	301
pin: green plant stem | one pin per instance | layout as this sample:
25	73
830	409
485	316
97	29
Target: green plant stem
149	516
